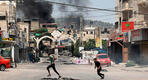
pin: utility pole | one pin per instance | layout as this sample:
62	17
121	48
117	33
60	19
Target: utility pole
81	29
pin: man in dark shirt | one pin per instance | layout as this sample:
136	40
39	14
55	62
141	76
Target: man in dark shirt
52	60
98	66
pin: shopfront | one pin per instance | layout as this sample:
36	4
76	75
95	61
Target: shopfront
140	37
7	50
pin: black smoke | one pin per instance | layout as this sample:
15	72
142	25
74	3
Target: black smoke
33	9
74	15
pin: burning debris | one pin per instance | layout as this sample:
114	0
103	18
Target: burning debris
30	9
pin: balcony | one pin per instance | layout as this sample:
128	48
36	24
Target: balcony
143	3
126	6
127	15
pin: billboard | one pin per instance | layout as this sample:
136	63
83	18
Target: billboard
99	42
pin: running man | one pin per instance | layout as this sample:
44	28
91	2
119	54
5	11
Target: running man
98	66
52	60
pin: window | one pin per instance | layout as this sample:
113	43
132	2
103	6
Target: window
25	29
2	17
44	26
91	32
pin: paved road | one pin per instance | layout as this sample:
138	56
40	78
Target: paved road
83	72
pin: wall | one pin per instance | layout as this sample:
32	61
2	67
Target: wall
34	25
3	25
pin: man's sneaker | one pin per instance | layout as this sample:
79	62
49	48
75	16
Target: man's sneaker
102	77
59	77
49	75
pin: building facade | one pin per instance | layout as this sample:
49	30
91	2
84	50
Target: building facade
89	33
131	45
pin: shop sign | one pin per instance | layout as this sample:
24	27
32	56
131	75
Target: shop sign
136	35
7	39
139	34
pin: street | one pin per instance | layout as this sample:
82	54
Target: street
37	71
75	37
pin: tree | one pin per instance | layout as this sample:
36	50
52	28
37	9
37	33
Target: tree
76	48
90	44
104	44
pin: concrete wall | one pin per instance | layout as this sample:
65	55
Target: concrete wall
3	25
35	25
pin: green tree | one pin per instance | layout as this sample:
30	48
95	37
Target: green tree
104	44
76	48
90	44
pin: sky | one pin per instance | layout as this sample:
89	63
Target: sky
93	14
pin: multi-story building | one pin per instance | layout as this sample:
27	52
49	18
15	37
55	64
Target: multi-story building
131	45
88	33
7	17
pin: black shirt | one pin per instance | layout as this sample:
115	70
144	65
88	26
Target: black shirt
97	64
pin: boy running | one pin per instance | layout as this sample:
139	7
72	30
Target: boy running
52	60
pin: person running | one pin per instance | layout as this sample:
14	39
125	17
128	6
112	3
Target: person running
52	65
98	66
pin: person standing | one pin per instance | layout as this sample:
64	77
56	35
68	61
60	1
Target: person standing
52	65
98	66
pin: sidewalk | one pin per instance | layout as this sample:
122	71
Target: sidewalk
137	68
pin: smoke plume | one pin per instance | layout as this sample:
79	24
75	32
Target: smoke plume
30	9
73	15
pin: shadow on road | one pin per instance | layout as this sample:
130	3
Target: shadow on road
104	70
64	78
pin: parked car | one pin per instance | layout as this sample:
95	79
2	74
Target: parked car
104	59
4	63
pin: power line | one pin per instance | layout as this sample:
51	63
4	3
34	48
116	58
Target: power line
100	9
102	15
104	18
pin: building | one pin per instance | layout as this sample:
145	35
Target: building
105	33
7	13
88	33
23	33
35	24
133	44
